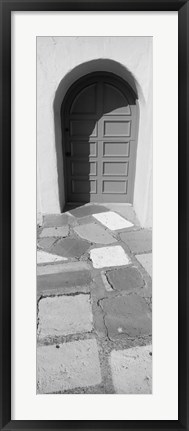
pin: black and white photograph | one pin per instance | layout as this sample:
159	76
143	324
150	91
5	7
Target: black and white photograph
94	214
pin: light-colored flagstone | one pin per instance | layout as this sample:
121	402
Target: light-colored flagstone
64	315
44	257
132	370
125	210
94	233
68	366
109	256
112	220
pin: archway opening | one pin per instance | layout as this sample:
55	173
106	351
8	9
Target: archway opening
99	121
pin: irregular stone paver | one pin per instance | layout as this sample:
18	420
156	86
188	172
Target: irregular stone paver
86	210
138	241
72	365
128	315
46	243
44	257
85	220
64	315
109	256
71	247
126	279
62	267
94	233
125	210
57	283
146	262
112	220
55	232
55	220
132	370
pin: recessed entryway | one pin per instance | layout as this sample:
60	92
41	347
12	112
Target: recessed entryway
99	127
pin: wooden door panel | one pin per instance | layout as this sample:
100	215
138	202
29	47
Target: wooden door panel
85	101
83	127
100	142
114	186
115	149
83	168
117	128
82	149
114	102
118	168
83	186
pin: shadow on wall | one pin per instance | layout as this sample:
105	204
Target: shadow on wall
100	66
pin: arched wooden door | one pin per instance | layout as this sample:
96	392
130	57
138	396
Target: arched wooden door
99	121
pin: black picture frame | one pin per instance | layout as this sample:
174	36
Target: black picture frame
6	7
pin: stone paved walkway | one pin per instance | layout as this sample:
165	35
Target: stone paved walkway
94	302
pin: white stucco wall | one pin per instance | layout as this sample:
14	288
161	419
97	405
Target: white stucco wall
62	60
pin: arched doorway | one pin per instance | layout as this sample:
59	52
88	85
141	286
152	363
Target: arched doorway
99	128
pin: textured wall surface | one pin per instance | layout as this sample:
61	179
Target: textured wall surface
62	60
